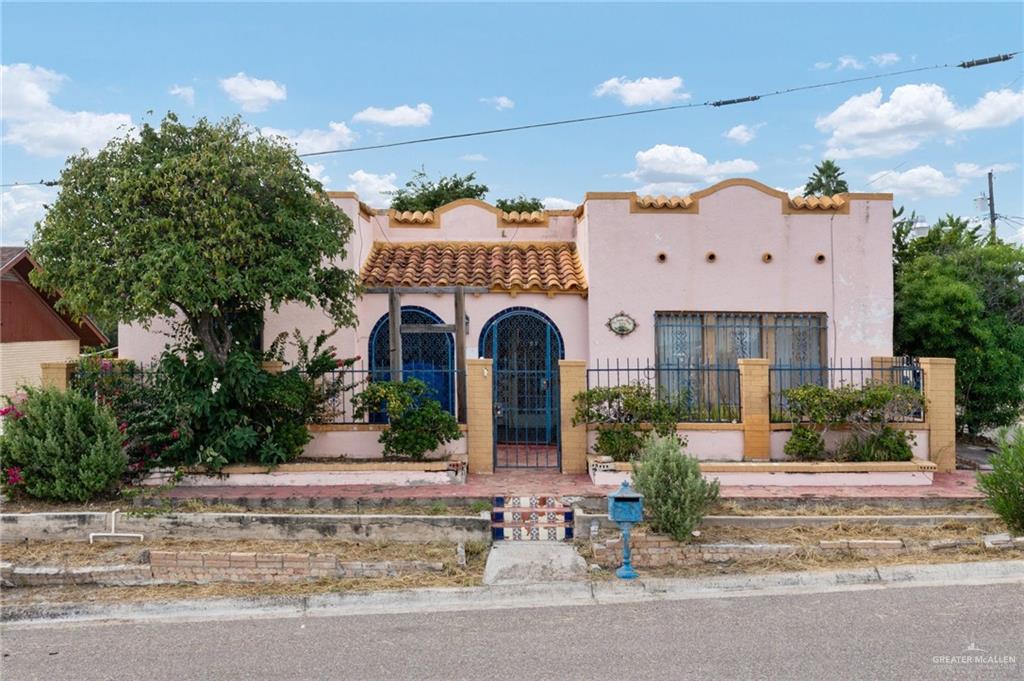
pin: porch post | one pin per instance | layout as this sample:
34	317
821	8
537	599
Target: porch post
940	410
755	409
395	334
572	379
57	374
480	415
881	369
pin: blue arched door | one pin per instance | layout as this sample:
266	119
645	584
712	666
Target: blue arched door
525	347
426	356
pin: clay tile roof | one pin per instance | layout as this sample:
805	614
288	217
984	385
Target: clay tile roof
538	266
817	202
665	201
530	218
417	217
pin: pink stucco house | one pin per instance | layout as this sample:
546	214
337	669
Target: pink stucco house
672	284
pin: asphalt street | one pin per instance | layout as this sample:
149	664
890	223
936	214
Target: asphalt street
875	633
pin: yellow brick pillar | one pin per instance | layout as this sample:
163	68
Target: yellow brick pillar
755	409
57	374
881	369
940	410
572	379
273	366
480	415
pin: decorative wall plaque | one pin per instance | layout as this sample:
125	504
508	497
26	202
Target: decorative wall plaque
621	324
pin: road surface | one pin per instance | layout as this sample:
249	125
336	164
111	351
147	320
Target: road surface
875	633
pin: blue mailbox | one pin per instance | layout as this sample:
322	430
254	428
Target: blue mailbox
625	508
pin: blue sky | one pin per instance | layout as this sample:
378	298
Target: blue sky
337	75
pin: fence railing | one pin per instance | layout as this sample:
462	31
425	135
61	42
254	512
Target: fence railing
704	393
96	375
346	383
903	371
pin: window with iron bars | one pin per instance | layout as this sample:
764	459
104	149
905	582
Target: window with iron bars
693	348
691	339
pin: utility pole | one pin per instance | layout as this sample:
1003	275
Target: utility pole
991	209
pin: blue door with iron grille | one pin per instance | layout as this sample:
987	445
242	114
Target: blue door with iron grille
525	347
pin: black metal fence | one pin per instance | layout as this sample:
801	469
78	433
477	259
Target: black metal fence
104	376
345	383
903	371
704	394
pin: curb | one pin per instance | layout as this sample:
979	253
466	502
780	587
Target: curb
521	596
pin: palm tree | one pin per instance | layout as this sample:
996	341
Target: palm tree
827	180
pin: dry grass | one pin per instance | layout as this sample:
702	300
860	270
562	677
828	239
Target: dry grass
734	508
812	535
198	506
105	553
837	560
172	592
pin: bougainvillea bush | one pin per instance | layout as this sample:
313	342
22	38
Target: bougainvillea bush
191	410
60	446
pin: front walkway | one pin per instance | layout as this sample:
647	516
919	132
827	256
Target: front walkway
957	486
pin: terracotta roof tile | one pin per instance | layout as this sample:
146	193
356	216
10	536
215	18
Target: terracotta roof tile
536	266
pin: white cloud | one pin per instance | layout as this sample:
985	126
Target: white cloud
742	133
34	123
667	163
371	188
643	90
253	94
473	157
793	191
336	136
849	62
864	125
822	65
316	171
667	188
916	182
501	102
187	93
555	203
400	116
967	170
885	59
20	208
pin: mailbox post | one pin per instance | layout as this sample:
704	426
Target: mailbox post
626	508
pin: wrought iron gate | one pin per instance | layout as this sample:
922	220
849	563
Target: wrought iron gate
525	347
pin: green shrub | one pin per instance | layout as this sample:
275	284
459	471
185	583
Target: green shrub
626	416
805	444
60	446
887	444
1004	486
676	496
417	424
868	410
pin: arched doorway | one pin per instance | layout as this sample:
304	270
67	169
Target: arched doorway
525	346
426	356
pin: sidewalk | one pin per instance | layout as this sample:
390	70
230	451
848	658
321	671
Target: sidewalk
957	486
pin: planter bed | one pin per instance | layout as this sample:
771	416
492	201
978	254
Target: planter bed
298	474
787	473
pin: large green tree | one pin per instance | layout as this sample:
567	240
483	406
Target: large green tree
422	193
520	204
827	179
961	295
213	223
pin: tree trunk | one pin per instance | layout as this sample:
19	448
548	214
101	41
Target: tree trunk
214	335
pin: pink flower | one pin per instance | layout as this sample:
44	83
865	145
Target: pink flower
14	476
123	426
106	365
12	411
175	434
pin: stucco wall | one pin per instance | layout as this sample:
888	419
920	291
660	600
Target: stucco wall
739	224
19	362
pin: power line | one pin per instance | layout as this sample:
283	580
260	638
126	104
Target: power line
641	112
